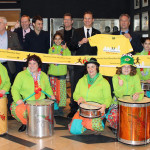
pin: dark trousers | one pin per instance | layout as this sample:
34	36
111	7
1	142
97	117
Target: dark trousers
71	75
44	68
11	77
78	74
109	79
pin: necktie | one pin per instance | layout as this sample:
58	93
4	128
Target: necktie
24	35
88	35
123	33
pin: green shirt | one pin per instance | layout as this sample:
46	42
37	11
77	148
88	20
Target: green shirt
24	86
131	85
56	69
146	71
5	81
98	92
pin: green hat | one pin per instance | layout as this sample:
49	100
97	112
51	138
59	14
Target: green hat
127	60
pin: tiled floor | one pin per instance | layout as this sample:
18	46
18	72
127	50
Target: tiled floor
62	139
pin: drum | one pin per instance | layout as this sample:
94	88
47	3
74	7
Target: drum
3	115
89	110
145	86
134	121
40	120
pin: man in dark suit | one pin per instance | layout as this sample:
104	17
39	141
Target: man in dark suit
21	32
67	34
24	29
134	38
81	46
38	40
8	40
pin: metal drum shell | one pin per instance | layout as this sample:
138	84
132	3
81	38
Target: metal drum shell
3	115
134	122
89	113
145	86
40	120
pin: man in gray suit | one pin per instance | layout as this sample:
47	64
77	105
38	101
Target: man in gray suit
67	34
8	40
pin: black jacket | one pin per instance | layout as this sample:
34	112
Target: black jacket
135	42
84	49
37	43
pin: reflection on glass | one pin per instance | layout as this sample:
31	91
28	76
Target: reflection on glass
144	3
136	4
145	21
137	22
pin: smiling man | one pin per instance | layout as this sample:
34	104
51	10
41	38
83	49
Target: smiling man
67	34
124	21
81	46
38	40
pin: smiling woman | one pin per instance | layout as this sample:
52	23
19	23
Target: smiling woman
91	87
28	85
125	82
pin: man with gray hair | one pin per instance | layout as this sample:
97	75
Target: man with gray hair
8	40
124	21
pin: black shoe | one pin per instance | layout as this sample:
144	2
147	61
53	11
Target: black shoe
71	114
22	128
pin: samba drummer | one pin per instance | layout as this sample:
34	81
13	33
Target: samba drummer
4	80
144	73
91	87
4	87
125	82
28	84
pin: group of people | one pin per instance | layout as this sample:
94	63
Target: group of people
30	79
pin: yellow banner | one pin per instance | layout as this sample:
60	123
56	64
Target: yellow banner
108	63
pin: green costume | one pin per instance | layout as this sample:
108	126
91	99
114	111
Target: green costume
131	85
56	69
24	86
4	79
98	92
145	74
57	74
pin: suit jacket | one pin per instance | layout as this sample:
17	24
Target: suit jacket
69	43
37	43
13	41
135	42
84	49
14	44
19	32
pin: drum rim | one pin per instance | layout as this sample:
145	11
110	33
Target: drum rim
89	109
91	117
4	96
132	102
39	105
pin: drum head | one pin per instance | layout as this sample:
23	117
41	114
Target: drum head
40	102
90	105
128	99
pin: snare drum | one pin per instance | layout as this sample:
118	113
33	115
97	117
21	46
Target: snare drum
3	115
134	121
145	86
89	110
40	121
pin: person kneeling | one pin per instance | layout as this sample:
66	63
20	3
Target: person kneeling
94	88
